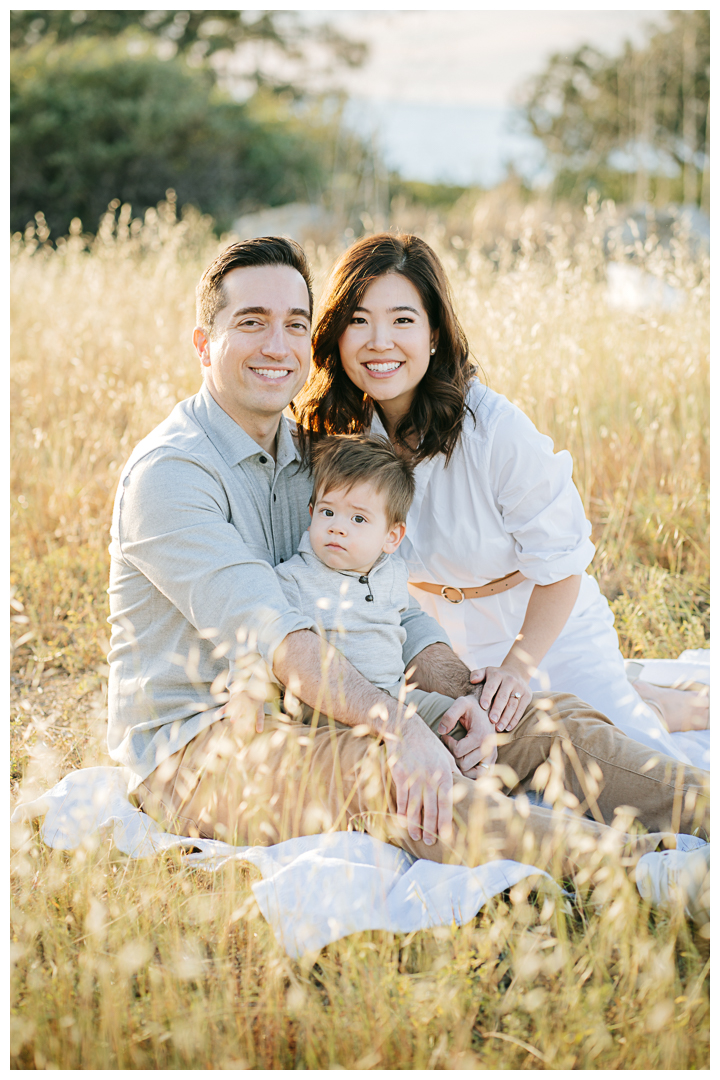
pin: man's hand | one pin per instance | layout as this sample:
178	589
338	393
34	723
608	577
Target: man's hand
505	695
478	749
422	770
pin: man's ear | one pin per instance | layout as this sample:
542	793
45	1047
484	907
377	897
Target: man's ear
394	538
202	345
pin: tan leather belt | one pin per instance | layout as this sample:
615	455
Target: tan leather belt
499	585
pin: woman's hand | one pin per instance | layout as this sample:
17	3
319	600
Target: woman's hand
505	695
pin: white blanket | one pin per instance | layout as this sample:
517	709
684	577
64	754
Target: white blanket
314	889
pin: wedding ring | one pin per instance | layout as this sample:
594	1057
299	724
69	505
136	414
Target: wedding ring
517	695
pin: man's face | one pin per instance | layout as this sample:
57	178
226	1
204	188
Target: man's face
258	357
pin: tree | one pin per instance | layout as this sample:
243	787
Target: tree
96	115
196	35
89	124
620	123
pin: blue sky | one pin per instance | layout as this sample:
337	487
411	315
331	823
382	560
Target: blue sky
437	90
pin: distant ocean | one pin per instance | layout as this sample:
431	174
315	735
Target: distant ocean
452	144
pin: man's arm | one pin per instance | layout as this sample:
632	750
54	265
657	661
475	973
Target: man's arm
437	668
422	769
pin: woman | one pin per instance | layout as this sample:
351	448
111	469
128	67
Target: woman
497	541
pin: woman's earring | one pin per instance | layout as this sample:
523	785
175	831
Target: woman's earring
432	351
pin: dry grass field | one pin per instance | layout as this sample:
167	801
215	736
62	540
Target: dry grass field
120	964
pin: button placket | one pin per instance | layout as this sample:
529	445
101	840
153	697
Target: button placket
273	522
364	580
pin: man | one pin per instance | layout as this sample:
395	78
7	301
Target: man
208	503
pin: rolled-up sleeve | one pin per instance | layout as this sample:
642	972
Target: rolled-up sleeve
175	530
421	629
540	505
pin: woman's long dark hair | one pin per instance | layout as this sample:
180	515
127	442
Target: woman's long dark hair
331	404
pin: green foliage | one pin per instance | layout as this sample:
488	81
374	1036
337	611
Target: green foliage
440	196
90	123
651	103
605	182
661	613
198	34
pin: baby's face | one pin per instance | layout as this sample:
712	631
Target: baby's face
349	529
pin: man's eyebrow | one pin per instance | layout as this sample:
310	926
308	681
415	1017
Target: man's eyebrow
400	307
266	311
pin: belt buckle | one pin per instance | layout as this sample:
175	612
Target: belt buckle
453	588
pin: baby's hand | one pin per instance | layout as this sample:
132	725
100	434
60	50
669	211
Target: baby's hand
478	749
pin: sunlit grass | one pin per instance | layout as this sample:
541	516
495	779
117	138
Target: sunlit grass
147	964
122	964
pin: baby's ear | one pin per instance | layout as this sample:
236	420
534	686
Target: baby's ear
310	508
394	538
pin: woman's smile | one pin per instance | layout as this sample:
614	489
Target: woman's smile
375	367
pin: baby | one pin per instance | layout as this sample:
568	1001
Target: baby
346	573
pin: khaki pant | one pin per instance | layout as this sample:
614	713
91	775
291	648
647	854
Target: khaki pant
297	780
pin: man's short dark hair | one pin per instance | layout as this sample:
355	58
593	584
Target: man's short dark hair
342	461
260	251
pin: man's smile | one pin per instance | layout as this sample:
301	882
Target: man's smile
273	374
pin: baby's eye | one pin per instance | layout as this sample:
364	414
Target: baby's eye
358	519
326	513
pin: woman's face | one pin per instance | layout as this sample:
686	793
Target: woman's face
385	350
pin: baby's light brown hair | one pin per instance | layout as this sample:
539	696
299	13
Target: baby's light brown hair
341	462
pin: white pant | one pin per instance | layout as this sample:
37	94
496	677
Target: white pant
585	660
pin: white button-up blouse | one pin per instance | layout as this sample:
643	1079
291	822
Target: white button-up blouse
504	502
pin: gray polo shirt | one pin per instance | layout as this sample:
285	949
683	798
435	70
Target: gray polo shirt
202	515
